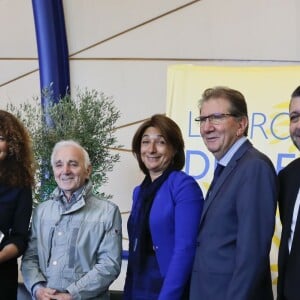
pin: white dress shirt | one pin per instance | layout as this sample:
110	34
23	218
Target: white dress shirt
294	220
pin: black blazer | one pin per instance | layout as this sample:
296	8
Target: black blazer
288	266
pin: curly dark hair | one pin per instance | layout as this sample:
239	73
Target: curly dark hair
18	167
170	131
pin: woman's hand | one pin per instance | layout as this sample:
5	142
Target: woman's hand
8	252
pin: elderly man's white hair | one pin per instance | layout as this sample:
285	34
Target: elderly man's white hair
73	143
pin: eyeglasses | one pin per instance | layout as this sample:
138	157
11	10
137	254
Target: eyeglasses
214	119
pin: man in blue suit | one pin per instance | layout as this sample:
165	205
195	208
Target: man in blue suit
238	219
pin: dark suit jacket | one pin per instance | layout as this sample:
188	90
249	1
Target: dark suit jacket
288	267
236	229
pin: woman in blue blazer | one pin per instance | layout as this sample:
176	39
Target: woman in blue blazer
165	215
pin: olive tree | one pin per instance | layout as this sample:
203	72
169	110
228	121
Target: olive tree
88	118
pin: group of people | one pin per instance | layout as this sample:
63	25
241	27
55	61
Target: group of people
181	246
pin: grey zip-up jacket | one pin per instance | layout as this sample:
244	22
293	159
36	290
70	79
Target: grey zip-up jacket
76	250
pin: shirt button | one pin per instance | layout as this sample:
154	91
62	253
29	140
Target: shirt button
59	233
54	263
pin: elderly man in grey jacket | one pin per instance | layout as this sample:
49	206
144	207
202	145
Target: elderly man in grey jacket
74	250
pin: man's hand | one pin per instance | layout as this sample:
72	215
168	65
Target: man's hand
49	294
44	293
61	296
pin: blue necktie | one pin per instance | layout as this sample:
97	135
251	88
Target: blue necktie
217	173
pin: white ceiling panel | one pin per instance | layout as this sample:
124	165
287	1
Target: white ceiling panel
215	29
91	21
17	31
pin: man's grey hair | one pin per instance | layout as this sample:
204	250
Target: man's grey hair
64	143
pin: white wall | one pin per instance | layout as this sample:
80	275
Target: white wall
123	48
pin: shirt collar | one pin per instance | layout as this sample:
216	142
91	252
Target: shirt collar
74	198
232	150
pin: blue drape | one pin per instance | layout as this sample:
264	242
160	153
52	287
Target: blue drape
52	50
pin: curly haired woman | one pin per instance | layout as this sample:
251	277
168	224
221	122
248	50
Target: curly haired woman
16	182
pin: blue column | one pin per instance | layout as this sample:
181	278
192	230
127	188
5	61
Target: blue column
52	50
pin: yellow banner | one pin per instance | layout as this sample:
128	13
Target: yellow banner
267	91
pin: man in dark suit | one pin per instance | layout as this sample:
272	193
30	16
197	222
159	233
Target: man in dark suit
238	219
288	287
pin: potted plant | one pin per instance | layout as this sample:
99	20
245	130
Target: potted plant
89	118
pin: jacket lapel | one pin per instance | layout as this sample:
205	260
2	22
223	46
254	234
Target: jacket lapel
291	187
228	169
